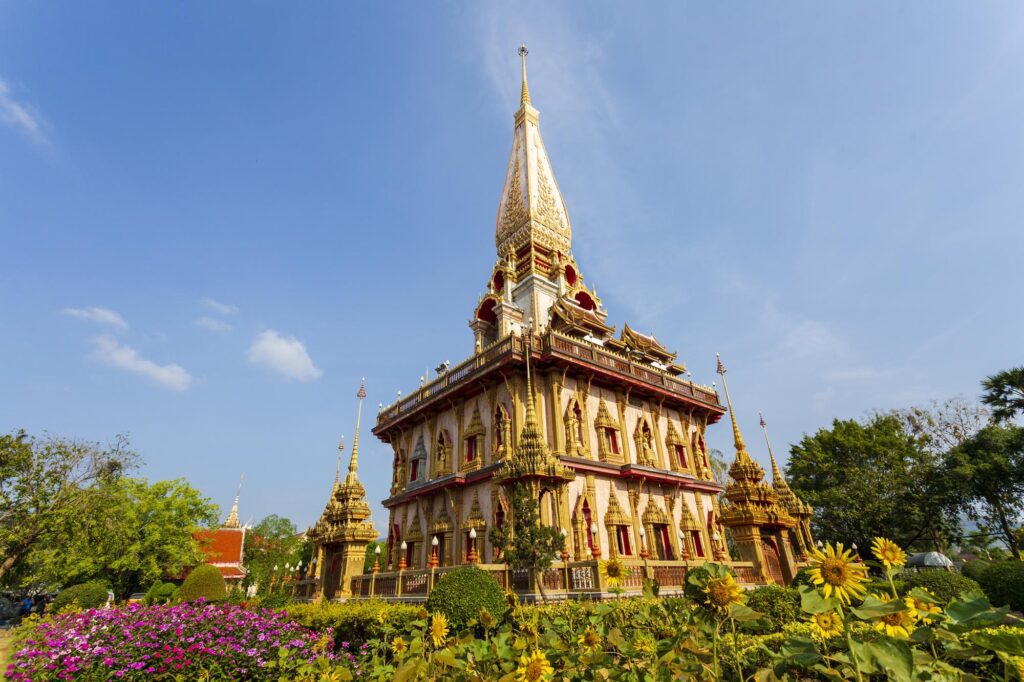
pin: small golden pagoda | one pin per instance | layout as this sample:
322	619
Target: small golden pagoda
760	524
801	511
341	535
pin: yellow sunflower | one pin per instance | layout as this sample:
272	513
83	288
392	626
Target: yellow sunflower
926	610
898	624
486	619
534	667
613	571
889	553
590	639
826	625
398	646
644	644
438	629
722	592
836	573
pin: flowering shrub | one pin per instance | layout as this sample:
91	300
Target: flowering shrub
187	641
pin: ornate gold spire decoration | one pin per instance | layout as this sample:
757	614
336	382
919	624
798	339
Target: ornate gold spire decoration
337	470
778	481
354	462
524	97
232	520
741	448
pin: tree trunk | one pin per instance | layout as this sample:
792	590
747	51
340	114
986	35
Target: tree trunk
540	585
1007	531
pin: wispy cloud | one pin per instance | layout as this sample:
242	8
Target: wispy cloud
285	355
110	352
20	116
212	324
218	307
103	316
810	338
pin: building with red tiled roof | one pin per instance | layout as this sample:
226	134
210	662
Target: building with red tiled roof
224	547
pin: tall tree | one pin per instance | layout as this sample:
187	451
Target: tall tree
127	532
525	543
989	471
940	426
1004	393
872	478
274	541
45	481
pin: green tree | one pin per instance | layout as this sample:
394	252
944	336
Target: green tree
1004	393
274	541
873	478
44	484
371	555
988	470
525	543
127	532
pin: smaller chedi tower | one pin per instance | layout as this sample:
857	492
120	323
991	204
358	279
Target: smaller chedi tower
801	537
339	538
760	525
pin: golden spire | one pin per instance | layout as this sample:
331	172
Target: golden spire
524	98
232	520
741	448
337	471
354	462
777	478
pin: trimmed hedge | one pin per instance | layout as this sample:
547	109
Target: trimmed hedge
204	582
90	595
779	606
943	584
160	593
356	621
1003	583
462	593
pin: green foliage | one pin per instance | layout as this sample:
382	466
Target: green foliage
277	600
46	485
778	606
271	542
802	577
872	479
525	542
988	470
204	582
463	592
945	585
90	595
974	569
1003	583
356	621
161	593
371	555
1004	393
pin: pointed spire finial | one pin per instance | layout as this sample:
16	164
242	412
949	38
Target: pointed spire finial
341	451
232	520
524	97
354	462
741	448
777	478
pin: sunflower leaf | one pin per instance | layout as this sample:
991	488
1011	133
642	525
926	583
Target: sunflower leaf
812	602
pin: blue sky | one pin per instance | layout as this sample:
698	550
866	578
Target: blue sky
216	217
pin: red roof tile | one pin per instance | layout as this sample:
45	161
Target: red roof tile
221	545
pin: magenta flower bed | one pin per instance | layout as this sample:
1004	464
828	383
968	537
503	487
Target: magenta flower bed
154	642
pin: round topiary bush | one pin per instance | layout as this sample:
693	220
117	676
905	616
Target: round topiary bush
204	582
974	568
90	595
777	605
462	593
943	584
1003	583
160	593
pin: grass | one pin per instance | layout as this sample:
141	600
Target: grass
5	651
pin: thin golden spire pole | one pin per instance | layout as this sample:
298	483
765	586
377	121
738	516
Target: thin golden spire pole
524	97
741	448
354	462
337	471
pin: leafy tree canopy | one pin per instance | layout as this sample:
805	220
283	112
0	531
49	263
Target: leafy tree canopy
1004	393
274	541
525	543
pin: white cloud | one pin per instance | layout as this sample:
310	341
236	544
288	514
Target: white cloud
212	324
20	116
809	338
110	352
218	307
284	354
103	316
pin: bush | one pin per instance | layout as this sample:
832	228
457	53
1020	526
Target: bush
974	569
355	621
160	593
204	582
1003	582
275	601
802	577
90	595
779	606
463	592
943	584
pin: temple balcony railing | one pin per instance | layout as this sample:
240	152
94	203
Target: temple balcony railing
574	579
550	344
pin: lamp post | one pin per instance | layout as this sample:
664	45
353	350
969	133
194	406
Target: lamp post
401	559
596	549
565	557
374	571
643	545
473	558
433	560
